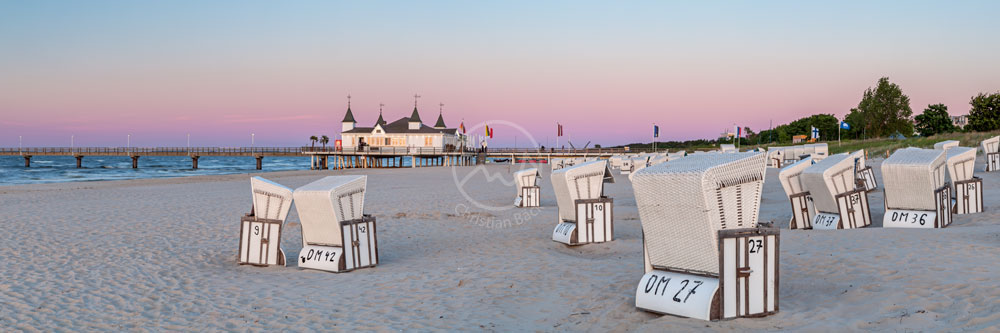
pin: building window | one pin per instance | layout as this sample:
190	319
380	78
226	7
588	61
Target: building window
428	141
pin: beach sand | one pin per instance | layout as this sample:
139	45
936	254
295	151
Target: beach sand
160	254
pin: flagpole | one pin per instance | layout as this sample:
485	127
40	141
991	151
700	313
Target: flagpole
654	137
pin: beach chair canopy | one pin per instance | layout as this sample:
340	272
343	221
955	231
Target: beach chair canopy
270	200
556	163
820	151
322	204
790	176
961	163
728	148
991	145
526	177
683	204
911	176
659	159
615	161
945	145
583	181
828	178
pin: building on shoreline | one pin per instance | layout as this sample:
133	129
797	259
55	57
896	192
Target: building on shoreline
408	132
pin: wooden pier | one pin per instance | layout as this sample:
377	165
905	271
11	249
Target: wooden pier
321	158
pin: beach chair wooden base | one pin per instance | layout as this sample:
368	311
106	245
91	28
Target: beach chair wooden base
260	242
746	286
360	249
775	163
866	179
530	197
853	212
938	218
802	211
992	161
969	196
594	223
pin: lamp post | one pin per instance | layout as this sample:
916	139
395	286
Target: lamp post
251	142
71	143
128	144
19	144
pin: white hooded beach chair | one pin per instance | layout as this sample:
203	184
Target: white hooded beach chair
819	151
615	162
775	157
916	193
706	256
585	214
260	231
833	187
802	205
626	168
639	163
865	175
728	148
336	234
527	188
991	150
968	189
556	164
944	145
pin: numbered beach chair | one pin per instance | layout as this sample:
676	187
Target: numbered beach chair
626	168
802	205
944	145
916	193
728	148
336	234
832	185
968	189
991	150
585	214
705	254
775	157
260	231
864	176
527	188
639	163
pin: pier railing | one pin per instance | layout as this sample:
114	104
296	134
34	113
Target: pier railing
306	150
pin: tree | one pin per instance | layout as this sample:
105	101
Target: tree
885	110
934	120
985	112
324	140
313	139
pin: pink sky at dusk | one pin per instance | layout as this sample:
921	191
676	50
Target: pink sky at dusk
607	72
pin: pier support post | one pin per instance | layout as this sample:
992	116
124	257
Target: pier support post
135	161
27	161
260	162
194	162
322	162
79	161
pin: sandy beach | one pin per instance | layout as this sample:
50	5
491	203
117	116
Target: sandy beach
160	254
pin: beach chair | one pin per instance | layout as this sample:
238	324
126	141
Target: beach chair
527	188
336	234
615	162
944	145
968	189
802	205
585	214
728	148
916	193
260	231
639	163
991	150
556	163
864	175
819	151
705	254
775	157
626	168
833	187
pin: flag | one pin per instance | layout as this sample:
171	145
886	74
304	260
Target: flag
491	133
656	131
559	130
815	133
462	126
487	130
845	125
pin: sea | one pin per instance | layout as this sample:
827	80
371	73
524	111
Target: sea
55	169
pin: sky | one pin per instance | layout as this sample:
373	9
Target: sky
219	71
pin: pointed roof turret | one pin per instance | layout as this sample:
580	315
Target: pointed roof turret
440	122
415	117
380	121
349	117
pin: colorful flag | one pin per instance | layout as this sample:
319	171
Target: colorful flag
845	125
559	130
487	130
815	133
462	126
491	133
656	131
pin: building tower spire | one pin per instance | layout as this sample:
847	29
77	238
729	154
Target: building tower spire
380	121
348	123
440	122
415	122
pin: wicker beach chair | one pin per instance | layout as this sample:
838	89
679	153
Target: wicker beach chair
585	214
802	206
991	150
819	151
704	250
967	188
839	202
527	188
260	231
728	148
336	234
916	192
944	145
775	157
556	163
